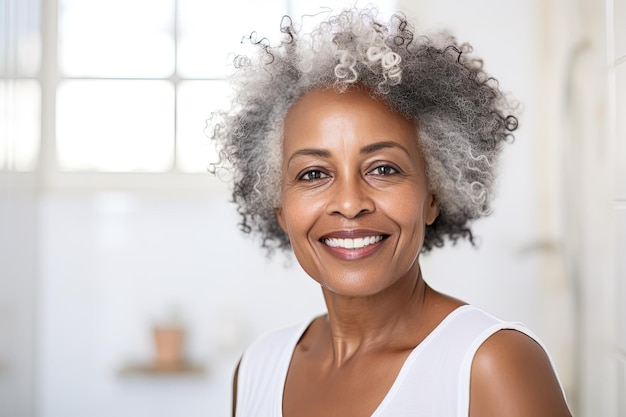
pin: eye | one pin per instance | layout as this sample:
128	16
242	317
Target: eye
384	170
312	175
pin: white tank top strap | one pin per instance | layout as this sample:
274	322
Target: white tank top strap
263	370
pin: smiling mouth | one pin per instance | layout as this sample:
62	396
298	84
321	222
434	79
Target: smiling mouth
356	243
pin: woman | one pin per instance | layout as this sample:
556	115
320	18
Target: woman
360	146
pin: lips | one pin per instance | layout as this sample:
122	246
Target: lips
352	245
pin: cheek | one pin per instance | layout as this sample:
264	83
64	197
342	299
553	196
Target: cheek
295	215
410	210
410	216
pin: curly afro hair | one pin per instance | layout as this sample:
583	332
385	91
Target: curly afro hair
461	116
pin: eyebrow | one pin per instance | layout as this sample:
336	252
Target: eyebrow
366	150
383	145
320	153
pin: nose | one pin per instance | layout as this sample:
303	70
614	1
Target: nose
350	197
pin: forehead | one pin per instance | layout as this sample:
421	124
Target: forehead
355	98
355	113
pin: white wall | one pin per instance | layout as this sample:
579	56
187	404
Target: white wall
618	55
598	183
18	258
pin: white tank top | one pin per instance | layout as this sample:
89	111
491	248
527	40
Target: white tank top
434	381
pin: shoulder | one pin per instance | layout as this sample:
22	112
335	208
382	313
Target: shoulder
511	376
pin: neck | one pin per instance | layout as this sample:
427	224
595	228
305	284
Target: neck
358	324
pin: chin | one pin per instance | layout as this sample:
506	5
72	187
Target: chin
355	286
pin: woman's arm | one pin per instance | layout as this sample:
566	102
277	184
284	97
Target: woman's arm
512	377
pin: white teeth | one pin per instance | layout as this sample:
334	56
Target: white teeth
358	243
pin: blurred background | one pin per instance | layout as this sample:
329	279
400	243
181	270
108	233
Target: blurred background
126	288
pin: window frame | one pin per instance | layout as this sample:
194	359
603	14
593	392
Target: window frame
52	177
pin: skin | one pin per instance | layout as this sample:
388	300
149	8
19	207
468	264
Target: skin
352	168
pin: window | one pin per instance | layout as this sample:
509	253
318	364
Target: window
20	90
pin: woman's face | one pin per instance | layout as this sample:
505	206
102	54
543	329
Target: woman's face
355	199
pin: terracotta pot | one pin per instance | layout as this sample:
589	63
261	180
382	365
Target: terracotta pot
169	347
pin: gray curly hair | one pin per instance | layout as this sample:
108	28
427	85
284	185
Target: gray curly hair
461	116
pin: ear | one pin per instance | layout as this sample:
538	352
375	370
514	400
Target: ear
431	210
281	218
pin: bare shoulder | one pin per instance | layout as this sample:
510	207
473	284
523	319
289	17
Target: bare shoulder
512	377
